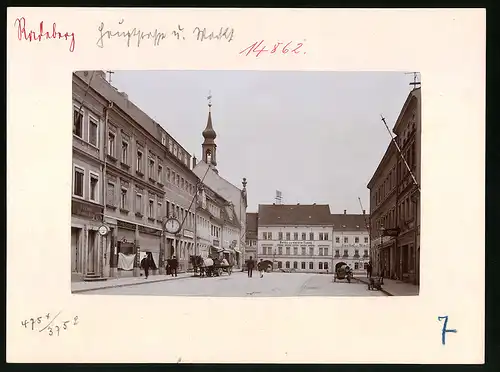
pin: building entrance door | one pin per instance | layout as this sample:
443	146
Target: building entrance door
75	250
91	263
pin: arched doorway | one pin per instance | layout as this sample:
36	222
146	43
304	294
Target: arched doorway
339	265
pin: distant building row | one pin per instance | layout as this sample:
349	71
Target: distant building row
129	174
308	238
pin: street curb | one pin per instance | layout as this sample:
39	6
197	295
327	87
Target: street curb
129	284
382	290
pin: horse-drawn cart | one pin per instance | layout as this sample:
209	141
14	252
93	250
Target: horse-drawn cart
208	267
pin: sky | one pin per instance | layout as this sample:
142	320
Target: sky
315	136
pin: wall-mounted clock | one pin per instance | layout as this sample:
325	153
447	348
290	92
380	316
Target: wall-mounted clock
172	225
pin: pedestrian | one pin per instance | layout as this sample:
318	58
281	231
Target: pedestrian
175	264
250	265
369	270
261	268
145	265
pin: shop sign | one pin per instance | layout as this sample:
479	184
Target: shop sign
188	234
125	225
391	232
149	230
215	243
295	242
94	212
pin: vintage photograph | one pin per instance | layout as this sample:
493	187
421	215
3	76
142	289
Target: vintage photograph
245	183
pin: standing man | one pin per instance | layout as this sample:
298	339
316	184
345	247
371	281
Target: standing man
369	270
145	265
250	266
175	264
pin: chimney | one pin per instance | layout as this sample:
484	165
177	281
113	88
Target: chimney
194	161
345	211
364	212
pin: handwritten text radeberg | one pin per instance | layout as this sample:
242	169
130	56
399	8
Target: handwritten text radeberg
31	36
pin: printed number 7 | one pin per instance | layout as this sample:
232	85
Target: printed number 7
445	330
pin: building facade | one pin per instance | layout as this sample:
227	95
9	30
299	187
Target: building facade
395	199
143	176
351	241
251	234
206	170
87	207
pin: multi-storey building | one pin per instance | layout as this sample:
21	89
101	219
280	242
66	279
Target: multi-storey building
87	180
395	199
351	241
383	213
295	237
251	234
206	170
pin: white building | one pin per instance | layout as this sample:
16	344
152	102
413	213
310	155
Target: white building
295	237
206	170
351	241
308	238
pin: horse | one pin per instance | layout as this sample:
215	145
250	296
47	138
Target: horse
204	265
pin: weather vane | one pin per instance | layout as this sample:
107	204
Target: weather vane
209	98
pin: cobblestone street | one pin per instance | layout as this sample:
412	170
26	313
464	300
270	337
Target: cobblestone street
239	285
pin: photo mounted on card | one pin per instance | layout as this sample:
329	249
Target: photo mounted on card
266	174
149	215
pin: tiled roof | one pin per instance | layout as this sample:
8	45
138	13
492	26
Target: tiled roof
252	224
298	214
350	221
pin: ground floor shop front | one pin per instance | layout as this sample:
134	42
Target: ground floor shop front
86	242
398	259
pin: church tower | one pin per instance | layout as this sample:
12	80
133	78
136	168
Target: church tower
209	148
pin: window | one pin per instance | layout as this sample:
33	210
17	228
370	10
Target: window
79	175
269	236
151	209
163	140
287	264
366	240
110	195
182	183
346	240
288	250
280	250
303	265
295	236
311	236
93	131
280	236
303	236
365	254
346	253
337	253
325	265
111	144
356	239
160	174
320	265
325	236
175	150
77	122
177	182
356	266
311	251
337	239
295	264
168	174
311	265
264	235
280	264
151	168
287	236
295	251
325	251
356	253
320	236
139	161
159	212
170	145
123	199
303	251
124	152
138	203
321	251
93	187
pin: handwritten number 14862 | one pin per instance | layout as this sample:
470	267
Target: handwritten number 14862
284	48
